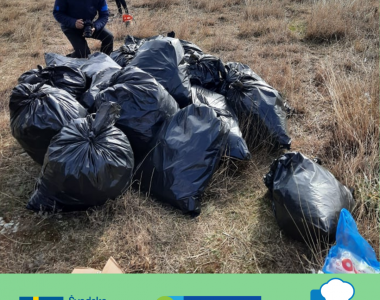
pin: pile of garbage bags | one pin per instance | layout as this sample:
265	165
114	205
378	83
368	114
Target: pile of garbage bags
158	111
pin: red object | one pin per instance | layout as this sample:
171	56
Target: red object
127	18
348	265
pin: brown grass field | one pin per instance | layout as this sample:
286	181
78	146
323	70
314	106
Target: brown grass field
322	55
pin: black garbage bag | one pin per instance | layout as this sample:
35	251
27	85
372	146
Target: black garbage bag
236	146
259	107
127	52
99	82
98	62
205	70
136	42
307	199
38	112
88	162
145	105
234	71
98	68
72	80
161	58
189	47
52	59
185	156
124	54
95	62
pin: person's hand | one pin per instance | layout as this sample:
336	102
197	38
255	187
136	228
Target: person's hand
79	24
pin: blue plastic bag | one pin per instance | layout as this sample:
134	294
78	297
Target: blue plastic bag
352	253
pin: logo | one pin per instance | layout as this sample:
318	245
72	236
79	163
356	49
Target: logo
334	289
210	298
41	298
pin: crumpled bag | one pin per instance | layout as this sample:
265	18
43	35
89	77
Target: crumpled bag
95	62
72	80
145	105
185	155
127	52
352	254
88	162
189	47
236	146
38	112
259	107
306	198
205	70
161	58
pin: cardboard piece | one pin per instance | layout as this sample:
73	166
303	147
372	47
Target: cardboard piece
111	267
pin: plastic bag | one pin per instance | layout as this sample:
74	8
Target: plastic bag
98	62
99	82
236	146
38	112
259	107
124	54
88	162
95	62
138	42
72	80
52	59
145	105
161	58
205	70
98	68
185	156
134	41
189	47
352	253
306	198
234	71
128	51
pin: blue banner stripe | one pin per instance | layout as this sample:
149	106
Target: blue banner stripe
26	298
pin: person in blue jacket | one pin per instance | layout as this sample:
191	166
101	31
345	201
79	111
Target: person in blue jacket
72	14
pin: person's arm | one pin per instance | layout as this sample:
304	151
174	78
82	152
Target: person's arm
103	15
59	12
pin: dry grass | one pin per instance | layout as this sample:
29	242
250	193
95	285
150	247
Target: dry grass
210	6
257	29
157	4
333	86
336	20
260	10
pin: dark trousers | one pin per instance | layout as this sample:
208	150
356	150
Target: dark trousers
79	43
119	3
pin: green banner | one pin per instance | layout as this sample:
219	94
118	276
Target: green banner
155	286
